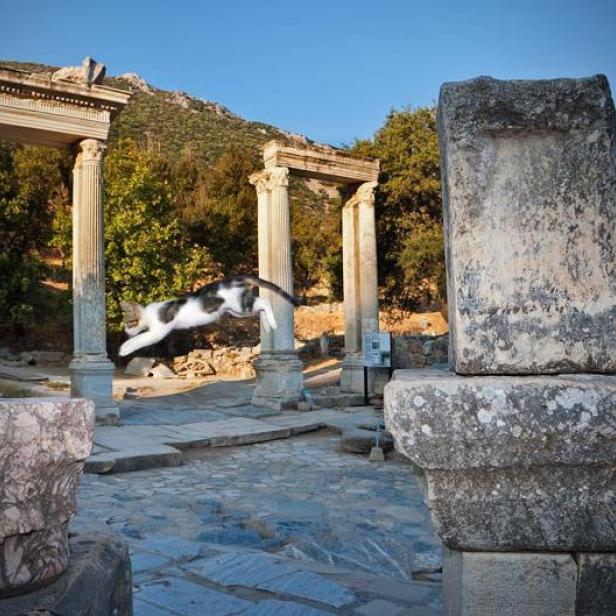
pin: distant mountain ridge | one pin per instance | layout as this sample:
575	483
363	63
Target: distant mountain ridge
173	121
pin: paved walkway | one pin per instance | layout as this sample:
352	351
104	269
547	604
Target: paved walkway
157	431
287	524
291	527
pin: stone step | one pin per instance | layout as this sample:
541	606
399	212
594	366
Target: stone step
138	459
128	448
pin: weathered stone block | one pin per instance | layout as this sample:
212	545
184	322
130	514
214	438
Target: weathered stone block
279	382
43	445
512	463
596	585
513	584
529	193
98	582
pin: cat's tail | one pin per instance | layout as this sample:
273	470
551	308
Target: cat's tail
270	286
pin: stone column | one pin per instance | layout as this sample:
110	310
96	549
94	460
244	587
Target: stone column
91	370
367	259
280	258
279	371
259	180
361	311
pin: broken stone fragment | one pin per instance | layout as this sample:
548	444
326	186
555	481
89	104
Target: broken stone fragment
42	461
139	366
161	371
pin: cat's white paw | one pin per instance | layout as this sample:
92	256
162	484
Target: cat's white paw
125	349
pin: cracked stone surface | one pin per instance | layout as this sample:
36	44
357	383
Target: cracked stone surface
295	527
44	442
512	463
529	200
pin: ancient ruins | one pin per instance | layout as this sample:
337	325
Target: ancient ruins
279	371
520	459
72	109
46	440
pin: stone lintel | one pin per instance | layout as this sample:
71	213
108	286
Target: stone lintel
326	164
38	110
512	463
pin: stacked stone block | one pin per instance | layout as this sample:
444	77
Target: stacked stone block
518	440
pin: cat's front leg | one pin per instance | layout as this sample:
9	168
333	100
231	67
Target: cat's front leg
262	306
142	340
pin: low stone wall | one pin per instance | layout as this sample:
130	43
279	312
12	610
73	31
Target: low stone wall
228	361
419	351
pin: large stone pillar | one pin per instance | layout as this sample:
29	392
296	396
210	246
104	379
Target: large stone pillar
279	371
361	310
91	369
518	445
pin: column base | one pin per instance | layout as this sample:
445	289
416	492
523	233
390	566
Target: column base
524	584
92	378
280	381
352	378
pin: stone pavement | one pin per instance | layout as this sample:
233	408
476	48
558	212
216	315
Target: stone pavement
157	431
291	527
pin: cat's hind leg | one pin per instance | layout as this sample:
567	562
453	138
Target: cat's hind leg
142	340
262	306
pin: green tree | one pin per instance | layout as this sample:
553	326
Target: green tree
219	206
408	207
147	252
31	180
316	227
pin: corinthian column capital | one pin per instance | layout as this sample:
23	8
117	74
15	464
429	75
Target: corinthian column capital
268	179
364	195
278	176
92	150
259	180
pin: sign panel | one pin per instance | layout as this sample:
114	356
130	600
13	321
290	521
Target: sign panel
377	350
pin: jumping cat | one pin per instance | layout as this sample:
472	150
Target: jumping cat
236	296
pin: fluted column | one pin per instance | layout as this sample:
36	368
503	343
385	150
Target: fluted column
91	370
351	287
259	180
367	258
280	255
279	371
361	309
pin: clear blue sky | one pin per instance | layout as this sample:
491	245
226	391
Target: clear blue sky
328	69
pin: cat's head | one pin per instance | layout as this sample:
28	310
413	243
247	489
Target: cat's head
132	314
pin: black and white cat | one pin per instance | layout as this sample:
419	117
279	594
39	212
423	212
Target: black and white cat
236	296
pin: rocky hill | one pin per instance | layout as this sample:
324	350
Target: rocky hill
173	121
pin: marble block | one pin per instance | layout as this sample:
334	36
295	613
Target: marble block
529	197
43	445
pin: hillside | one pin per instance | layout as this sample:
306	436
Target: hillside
174	121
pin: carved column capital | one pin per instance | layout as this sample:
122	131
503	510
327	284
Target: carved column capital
278	176
92	150
268	179
259	180
364	194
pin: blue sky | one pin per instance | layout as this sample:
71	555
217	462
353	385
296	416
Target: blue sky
331	70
